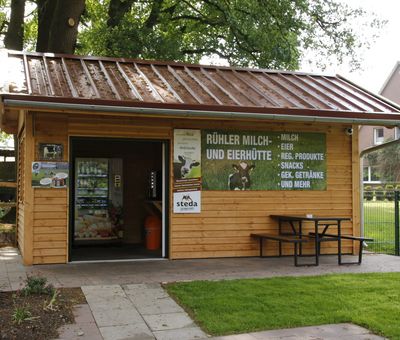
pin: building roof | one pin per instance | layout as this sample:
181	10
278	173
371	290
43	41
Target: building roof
116	82
390	77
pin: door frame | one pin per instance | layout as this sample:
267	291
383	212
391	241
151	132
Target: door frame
165	171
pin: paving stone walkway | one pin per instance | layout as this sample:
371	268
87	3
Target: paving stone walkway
139	311
121	306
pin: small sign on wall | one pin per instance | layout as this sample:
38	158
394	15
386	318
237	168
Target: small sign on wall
50	152
187	202
50	174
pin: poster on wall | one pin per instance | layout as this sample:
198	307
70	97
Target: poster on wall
50	152
187	154
187	171
50	174
259	160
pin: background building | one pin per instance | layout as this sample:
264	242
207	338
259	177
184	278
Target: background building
374	135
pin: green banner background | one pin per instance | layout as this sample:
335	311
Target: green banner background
274	154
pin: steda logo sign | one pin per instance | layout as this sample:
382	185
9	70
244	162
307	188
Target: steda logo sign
187	202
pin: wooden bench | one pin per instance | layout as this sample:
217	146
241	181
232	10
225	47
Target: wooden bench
323	237
290	238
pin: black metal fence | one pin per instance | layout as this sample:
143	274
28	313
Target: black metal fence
381	220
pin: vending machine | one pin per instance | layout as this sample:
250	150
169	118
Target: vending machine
98	200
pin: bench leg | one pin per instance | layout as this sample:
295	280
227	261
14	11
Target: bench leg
261	247
316	244
359	255
360	252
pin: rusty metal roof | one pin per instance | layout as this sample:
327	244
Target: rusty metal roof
125	82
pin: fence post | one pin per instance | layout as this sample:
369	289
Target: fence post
396	223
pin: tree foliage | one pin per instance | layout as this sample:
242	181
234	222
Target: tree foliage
388	161
263	33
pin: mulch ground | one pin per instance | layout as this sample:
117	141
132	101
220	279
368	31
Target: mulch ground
43	323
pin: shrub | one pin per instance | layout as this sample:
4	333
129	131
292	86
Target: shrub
389	194
379	193
37	285
368	193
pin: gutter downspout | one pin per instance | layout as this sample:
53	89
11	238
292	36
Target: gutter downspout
362	153
196	113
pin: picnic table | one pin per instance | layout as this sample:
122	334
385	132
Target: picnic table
322	226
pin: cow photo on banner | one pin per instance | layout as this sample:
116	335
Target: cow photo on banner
259	160
187	154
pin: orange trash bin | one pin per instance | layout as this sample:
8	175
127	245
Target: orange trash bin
152	227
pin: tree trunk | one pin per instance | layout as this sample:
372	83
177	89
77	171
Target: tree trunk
45	17
14	38
64	26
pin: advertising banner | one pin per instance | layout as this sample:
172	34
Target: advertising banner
259	160
50	174
187	171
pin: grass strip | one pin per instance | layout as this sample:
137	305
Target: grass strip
249	305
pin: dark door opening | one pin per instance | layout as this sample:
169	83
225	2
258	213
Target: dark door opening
116	185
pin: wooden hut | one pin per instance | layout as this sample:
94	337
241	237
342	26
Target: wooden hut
128	159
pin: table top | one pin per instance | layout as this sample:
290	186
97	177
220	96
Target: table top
309	218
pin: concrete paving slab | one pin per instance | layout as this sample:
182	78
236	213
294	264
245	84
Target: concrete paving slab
84	327
161	322
145	291
158	306
86	331
131	332
117	317
192	333
326	332
241	337
101	292
108	305
335	331
83	314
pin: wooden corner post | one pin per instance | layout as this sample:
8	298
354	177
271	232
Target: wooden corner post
28	192
355	162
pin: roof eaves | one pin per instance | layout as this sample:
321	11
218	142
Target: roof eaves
91	104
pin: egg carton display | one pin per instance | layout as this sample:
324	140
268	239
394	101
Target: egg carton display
91	227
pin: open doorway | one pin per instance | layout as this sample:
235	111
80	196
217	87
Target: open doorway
117	207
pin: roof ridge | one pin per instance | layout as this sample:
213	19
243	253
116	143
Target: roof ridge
162	63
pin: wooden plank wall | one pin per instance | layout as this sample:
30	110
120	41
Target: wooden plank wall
50	226
223	227
227	218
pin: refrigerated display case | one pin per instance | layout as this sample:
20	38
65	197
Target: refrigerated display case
94	195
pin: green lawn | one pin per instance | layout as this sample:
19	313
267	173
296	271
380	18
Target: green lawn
240	306
379	225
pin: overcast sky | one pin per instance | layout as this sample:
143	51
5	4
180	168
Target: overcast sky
379	60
